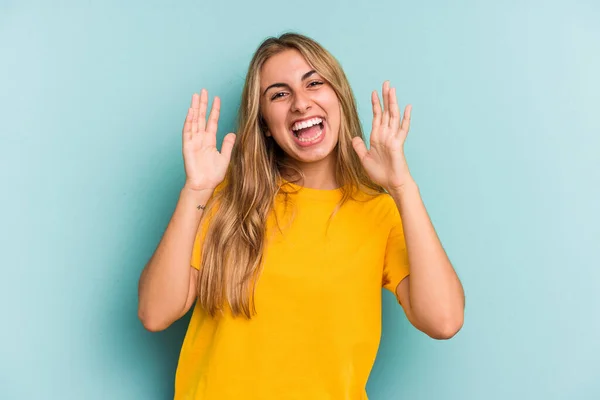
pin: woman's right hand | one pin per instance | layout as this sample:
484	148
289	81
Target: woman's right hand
205	166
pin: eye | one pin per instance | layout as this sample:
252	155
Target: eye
277	95
315	83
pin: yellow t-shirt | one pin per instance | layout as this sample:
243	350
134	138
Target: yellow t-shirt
318	301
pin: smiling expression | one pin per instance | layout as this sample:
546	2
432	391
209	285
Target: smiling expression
300	108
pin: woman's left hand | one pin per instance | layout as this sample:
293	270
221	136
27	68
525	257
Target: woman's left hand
384	161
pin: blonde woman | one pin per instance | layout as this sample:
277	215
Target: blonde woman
292	232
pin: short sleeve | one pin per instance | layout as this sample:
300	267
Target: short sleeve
395	264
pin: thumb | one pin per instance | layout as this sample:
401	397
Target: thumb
359	147
227	146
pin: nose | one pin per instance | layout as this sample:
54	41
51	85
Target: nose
301	103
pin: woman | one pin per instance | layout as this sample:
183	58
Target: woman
292	233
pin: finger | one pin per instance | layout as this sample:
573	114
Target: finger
406	120
213	118
195	105
385	119
227	146
385	91
376	112
202	110
394	111
359	146
187	125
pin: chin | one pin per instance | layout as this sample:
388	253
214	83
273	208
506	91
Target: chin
315	155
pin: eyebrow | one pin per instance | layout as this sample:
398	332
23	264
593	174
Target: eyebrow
275	85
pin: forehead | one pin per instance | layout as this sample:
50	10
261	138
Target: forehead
287	66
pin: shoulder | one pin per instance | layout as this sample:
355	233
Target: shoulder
378	208
385	200
382	202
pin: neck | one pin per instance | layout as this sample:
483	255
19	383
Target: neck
317	175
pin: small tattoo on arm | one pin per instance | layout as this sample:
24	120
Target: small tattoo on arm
201	207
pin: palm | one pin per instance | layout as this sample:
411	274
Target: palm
384	161
380	162
205	166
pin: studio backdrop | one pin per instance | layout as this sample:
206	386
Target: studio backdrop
504	145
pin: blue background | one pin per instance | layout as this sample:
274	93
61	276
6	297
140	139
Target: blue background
504	145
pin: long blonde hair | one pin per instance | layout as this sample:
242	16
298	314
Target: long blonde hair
232	251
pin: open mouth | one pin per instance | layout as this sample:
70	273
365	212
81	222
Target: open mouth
309	130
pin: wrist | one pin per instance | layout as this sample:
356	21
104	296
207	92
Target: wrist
401	190
192	188
196	197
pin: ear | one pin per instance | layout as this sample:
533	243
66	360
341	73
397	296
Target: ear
268	134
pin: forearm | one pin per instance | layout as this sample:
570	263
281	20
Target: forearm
435	292
165	281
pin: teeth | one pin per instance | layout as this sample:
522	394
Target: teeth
306	124
311	138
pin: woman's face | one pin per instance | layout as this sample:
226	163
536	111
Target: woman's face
300	108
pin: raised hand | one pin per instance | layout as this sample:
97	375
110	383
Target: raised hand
205	166
384	161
